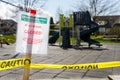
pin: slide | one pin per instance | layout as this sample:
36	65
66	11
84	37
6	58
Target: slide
54	38
65	38
85	34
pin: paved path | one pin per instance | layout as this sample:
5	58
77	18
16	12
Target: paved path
56	55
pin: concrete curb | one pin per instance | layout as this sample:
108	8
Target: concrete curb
114	77
73	79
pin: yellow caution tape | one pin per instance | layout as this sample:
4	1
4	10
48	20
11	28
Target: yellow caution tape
99	65
14	63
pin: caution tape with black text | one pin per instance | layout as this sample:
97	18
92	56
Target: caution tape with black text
14	63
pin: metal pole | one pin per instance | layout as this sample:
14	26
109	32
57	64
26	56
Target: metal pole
20	7
29	46
10	4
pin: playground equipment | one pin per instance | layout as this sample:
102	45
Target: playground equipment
82	27
66	35
85	27
53	39
64	31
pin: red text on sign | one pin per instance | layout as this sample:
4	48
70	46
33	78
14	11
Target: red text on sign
33	26
33	32
32	41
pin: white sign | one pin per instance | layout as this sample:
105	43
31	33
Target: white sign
32	33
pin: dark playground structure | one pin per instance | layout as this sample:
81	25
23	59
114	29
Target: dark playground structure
82	29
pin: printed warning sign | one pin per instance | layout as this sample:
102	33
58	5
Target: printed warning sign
32	33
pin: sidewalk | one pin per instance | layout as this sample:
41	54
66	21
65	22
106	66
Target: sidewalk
56	55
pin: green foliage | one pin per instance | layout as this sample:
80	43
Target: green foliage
51	23
115	31
101	39
52	26
9	38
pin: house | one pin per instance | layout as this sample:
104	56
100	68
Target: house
106	22
7	26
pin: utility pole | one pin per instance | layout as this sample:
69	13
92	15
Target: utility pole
20	7
26	3
10	4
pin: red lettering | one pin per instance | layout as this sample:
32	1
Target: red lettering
33	32
32	41
33	26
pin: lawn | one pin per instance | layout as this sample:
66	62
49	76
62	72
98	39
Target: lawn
9	38
99	38
12	39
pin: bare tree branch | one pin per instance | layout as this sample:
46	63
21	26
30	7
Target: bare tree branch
58	12
98	7
33	2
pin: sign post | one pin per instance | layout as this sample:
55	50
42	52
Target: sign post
32	36
27	68
29	47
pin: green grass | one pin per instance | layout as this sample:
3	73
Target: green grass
71	39
9	38
12	39
101	39
97	38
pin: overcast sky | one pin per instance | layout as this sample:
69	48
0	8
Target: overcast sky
51	6
5	10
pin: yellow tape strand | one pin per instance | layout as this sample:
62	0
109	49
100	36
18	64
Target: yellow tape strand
13	63
23	62
99	65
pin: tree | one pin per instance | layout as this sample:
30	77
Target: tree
99	7
34	3
26	4
51	23
115	31
58	12
52	26
22	4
